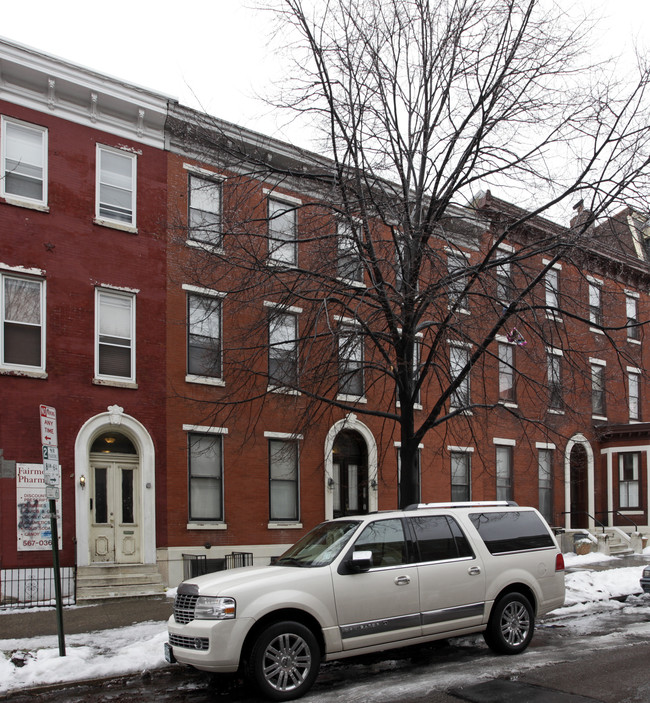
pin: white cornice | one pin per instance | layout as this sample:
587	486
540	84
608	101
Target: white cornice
50	84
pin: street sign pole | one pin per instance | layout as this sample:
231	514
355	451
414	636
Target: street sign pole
51	476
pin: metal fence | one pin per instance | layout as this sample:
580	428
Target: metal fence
199	564
34	587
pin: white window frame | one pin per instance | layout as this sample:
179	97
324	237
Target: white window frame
634	393
545	478
205	294
213	182
503	274
552	291
277	245
18	199
104	219
286	312
455	367
598	382
595	292
23	369
465	452
213	433
504	449
294	441
632	317
457	264
507	371
351	349
554	363
126	295
347	249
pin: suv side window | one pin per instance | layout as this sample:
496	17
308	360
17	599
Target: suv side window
512	531
385	539
439	537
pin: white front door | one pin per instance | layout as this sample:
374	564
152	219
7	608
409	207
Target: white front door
114	511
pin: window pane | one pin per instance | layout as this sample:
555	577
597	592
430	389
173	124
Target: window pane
205	477
204	336
460	476
22	331
283	473
101	496
504	473
506	373
127	495
115	335
282	231
434	538
283	351
205	210
385	539
116	186
349	264
350	363
24	167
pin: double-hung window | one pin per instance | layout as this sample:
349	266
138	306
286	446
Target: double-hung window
632	315
282	232
204	335
504	284
507	373
351	382
598	387
458	360
115	335
595	302
205	459
283	349
461	471
504	472
22	336
545	482
552	291
204	216
554	378
349	265
23	167
634	392
284	484
457	269
116	186
628	480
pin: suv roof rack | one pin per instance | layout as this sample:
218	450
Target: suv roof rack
468	504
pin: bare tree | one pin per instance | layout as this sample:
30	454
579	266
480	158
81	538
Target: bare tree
423	106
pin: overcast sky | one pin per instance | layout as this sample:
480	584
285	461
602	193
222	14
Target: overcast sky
210	54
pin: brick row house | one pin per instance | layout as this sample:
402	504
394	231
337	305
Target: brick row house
158	269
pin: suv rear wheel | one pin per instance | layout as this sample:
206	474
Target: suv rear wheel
284	661
511	624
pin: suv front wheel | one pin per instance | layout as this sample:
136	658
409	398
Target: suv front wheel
284	661
511	624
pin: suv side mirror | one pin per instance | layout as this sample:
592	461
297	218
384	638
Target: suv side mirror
360	562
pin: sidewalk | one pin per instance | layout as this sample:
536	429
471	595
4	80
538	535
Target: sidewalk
84	618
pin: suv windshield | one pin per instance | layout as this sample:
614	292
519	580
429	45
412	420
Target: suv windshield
320	546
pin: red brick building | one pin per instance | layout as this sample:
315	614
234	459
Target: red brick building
140	242
82	271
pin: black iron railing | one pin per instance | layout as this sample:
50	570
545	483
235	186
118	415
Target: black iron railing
34	587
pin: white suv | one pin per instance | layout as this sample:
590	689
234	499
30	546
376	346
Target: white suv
372	582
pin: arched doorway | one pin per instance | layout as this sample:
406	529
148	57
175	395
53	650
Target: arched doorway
579	487
350	485
113	489
579	498
115	473
357	443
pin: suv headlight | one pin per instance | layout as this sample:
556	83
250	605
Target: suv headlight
646	572
211	608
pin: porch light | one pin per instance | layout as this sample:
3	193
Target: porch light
82	481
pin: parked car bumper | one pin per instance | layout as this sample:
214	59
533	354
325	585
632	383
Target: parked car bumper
645	580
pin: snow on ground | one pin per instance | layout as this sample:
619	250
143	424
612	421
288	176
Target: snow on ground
136	648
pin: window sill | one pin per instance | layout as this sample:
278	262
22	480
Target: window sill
352	398
114	382
508	404
212	248
206	526
554	317
115	225
634	341
278	264
595	330
205	380
416	406
602	418
631	511
351	282
25	373
285	525
459	311
282	390
555	411
30	205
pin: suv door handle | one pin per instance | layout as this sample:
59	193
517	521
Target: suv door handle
474	570
402	580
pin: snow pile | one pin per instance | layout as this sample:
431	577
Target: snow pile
138	648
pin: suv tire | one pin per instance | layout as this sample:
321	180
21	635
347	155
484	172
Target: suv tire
511	624
284	661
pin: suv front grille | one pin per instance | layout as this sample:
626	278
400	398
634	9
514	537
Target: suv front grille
184	608
200	643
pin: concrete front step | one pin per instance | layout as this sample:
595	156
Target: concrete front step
101	582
